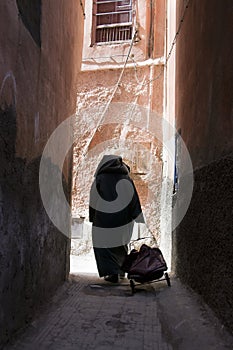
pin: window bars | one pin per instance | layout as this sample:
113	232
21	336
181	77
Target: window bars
113	20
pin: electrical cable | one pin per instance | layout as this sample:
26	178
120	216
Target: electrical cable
111	97
172	45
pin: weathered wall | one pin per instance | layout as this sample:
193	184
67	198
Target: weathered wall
93	94
142	84
39	60
204	106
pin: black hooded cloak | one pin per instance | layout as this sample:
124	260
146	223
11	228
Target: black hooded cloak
112	221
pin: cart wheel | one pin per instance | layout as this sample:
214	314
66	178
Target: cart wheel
167	279
132	285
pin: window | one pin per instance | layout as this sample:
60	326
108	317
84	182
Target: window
112	21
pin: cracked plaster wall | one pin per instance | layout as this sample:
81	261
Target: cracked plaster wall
118	135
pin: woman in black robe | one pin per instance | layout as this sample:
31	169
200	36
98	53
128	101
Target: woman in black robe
114	206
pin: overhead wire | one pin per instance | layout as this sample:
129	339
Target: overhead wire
172	44
111	97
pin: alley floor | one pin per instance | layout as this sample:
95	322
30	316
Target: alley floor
88	313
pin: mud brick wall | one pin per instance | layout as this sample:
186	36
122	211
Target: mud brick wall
204	239
40	55
33	253
203	242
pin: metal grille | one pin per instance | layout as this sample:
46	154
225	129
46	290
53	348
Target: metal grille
113	20
116	33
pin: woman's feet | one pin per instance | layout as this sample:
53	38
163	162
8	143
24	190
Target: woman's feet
112	278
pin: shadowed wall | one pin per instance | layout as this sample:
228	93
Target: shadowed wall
203	241
39	61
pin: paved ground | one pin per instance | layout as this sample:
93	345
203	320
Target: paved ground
88	313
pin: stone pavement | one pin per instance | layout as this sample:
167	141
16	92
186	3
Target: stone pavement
89	313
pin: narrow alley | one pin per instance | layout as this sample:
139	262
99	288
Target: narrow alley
87	313
147	83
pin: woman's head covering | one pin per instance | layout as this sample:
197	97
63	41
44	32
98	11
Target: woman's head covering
112	164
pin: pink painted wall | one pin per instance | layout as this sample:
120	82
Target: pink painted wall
45	77
37	92
204	79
